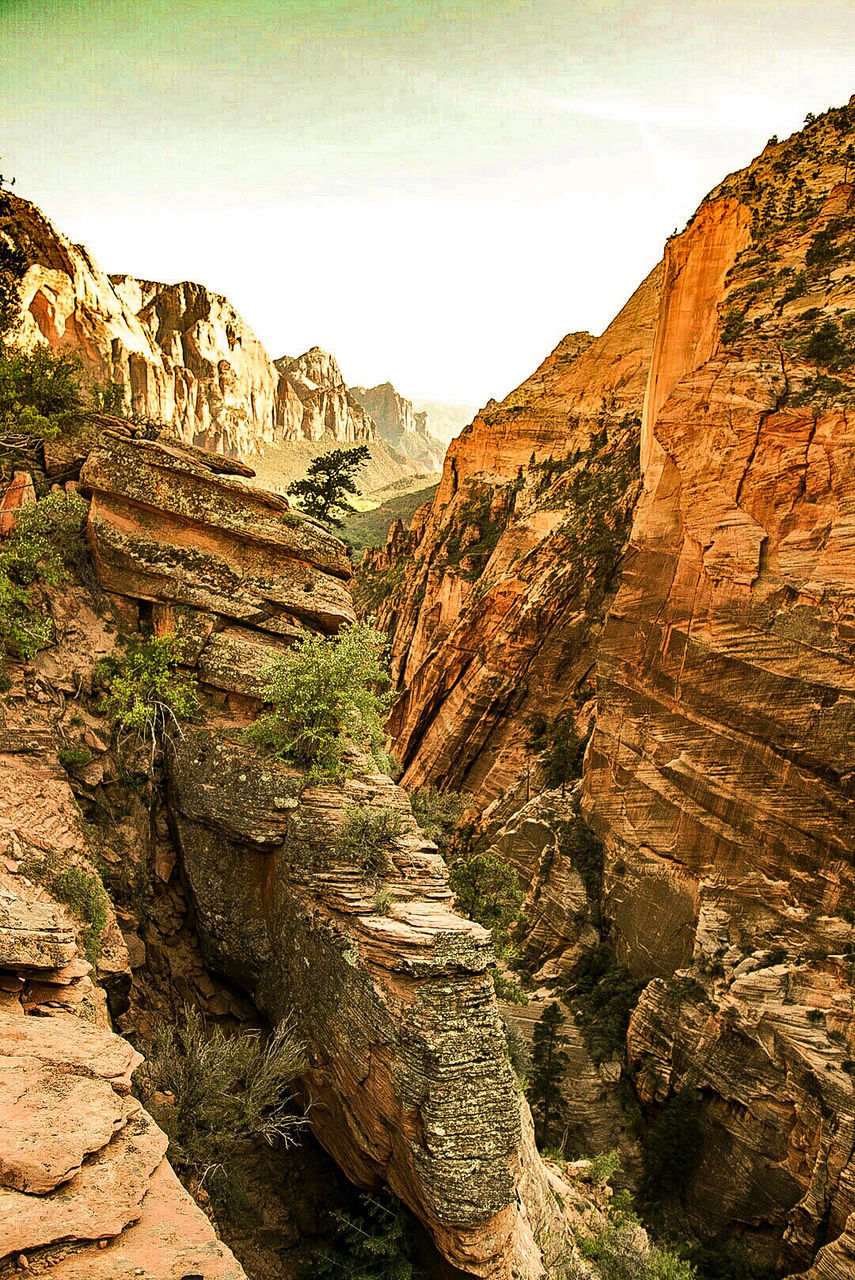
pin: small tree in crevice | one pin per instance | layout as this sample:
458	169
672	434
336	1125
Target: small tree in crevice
548	1062
328	696
150	697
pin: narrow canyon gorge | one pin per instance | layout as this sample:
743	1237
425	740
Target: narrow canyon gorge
609	812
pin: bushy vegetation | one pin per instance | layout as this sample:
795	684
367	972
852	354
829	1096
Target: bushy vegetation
46	537
211	1092
149	697
598	513
488	890
585	850
330	478
438	814
602	994
328	696
561	748
365	832
376	1241
41	393
620	1254
84	893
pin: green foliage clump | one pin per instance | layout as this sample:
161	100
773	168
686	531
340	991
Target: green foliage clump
599	514
488	890
41	393
149	696
330	478
732	326
328	695
605	1165
438	813
602	994
221	1091
37	551
577	842
825	344
85	894
673	1146
562	748
377	1242
549	1061
74	757
620	1254
364	832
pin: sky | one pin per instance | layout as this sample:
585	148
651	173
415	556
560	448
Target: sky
435	192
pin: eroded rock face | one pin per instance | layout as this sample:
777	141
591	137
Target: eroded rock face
720	769
412	1086
181	354
401	425
164	526
498	618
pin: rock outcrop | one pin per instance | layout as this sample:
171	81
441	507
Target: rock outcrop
180	354
400	425
719	772
85	1188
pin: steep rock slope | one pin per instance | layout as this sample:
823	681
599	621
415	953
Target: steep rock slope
85	1188
402	426
181	354
497	618
720	769
408	1083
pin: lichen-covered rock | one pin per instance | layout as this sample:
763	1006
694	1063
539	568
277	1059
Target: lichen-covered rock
408	1081
167	527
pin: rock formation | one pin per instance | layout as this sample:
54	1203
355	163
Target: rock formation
719	773
85	1188
402	426
181	354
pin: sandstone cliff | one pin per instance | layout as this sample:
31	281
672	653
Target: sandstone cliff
408	1083
718	775
402	426
181	354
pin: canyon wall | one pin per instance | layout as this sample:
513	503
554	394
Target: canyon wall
718	776
402	426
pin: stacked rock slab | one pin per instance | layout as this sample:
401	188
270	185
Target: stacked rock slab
409	1083
720	771
85	1189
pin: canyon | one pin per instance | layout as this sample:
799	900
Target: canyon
691	609
622	630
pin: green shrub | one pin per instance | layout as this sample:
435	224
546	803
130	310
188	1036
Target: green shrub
41	393
577	842
328	695
562	748
602	994
605	1165
37	551
825	344
150	697
620	1254
438	813
364	832
74	757
85	894
732	326
222	1091
377	1242
488	890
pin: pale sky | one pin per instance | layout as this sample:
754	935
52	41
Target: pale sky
435	192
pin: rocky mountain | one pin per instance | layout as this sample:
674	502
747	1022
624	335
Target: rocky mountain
180	354
402	426
652	539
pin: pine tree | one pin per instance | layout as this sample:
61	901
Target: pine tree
330	478
548	1062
